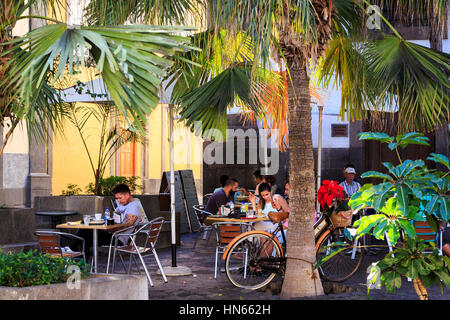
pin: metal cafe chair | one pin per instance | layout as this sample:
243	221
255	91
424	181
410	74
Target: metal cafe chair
141	243
204	230
225	233
49	242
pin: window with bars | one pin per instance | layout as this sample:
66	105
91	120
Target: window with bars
339	130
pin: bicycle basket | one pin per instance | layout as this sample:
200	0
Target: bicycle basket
341	218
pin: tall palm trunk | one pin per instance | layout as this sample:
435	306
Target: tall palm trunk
301	279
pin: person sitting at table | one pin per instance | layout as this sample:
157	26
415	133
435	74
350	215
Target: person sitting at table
349	184
273	183
258	179
131	212
222	196
286	190
273	206
223	179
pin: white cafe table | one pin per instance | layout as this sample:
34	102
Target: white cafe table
94	228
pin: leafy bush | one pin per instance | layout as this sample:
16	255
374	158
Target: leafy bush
107	184
408	192
23	269
72	190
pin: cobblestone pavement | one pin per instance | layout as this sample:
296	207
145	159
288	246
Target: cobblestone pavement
201	285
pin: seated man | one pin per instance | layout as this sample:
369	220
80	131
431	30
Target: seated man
349	184
223	179
131	212
222	196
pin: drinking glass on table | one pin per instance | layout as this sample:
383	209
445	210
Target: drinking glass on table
86	219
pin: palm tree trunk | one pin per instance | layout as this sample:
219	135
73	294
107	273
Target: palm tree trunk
301	279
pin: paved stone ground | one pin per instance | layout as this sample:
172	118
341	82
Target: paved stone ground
201	285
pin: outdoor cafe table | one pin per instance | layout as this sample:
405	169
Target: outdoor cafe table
216	218
94	228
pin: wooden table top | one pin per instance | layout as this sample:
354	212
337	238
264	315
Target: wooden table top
210	220
79	225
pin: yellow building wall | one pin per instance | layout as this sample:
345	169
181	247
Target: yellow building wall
71	164
70	160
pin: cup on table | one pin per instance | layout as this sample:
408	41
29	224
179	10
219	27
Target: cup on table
86	219
259	212
98	216
250	213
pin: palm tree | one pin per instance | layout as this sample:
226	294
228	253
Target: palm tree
373	73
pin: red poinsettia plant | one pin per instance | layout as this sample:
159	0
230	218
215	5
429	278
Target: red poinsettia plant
330	196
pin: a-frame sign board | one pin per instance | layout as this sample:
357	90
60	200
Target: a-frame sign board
190	198
179	198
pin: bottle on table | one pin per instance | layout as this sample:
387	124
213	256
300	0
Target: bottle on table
107	215
231	206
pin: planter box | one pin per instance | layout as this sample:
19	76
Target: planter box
97	287
81	204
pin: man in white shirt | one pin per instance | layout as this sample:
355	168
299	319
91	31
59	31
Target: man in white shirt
131	212
350	186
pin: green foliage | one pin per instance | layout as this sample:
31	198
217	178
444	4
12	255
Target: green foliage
72	190
22	269
408	192
411	261
410	182
107	184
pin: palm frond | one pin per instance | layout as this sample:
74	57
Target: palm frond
155	12
208	104
132	60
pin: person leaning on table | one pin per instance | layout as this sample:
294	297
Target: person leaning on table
131	212
273	206
222	196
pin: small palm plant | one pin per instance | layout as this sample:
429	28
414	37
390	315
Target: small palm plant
408	192
110	139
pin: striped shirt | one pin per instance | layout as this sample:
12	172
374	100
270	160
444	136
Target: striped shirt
350	189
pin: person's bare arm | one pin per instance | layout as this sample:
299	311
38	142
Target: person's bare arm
130	219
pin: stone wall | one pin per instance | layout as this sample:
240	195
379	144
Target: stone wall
98	287
17	225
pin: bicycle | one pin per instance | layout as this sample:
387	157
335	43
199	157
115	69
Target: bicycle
254	258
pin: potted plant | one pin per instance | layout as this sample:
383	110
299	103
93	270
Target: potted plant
408	192
330	197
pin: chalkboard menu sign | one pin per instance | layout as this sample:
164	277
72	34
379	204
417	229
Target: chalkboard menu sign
190	198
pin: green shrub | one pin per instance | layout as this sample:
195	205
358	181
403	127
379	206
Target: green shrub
107	184
72	190
23	269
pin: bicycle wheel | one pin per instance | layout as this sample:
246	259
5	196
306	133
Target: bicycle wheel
253	261
343	265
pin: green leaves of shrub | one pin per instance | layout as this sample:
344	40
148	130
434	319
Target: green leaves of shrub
408	191
413	262
23	269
